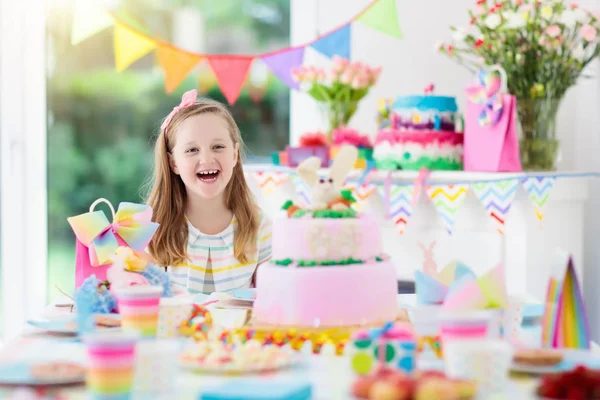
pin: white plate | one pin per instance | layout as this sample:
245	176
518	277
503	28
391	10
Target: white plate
572	358
232	369
18	374
67	325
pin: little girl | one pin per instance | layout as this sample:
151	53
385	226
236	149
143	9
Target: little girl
212	235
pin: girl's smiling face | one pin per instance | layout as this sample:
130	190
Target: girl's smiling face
204	155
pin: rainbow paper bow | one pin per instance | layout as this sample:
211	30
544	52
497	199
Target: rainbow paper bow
487	91
132	225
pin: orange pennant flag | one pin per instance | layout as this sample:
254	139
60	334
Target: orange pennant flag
130	45
231	73
176	65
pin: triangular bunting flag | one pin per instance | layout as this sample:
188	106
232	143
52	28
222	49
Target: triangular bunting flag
88	19
176	65
130	46
400	201
335	43
497	198
281	64
447	200
268	180
231	73
382	15
538	189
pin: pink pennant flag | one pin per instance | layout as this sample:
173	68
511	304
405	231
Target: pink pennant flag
231	73
281	64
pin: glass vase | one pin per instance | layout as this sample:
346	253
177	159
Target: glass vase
337	114
538	146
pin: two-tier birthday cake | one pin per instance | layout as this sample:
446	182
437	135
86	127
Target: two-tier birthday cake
423	131
328	268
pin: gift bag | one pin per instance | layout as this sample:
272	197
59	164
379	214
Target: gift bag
97	238
490	138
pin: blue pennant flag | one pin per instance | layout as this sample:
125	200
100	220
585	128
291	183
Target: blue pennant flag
335	43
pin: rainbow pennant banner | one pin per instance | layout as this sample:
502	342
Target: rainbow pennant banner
570	327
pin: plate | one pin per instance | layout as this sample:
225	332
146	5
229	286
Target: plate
68	325
233	369
244	294
236	304
572	358
20	374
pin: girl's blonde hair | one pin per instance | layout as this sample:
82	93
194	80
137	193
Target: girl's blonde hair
168	195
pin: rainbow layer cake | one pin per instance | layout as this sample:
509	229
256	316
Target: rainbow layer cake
421	133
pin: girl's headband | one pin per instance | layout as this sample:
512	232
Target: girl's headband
187	100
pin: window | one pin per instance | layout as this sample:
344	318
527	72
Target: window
101	123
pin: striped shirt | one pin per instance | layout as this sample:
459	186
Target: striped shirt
212	266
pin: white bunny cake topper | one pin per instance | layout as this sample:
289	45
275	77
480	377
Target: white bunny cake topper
327	191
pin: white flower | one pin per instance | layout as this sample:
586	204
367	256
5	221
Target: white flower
459	35
514	20
493	21
568	18
579	53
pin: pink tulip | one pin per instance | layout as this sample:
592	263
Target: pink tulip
321	75
375	72
553	31
310	75
297	74
347	77
339	64
332	76
588	32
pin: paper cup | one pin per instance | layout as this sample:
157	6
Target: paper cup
156	365
485	361
469	325
425	319
111	361
172	312
138	306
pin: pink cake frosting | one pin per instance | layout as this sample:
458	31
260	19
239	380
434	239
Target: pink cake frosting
421	137
326	239
359	294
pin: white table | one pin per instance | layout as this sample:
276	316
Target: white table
330	375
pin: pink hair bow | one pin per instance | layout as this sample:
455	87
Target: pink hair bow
188	99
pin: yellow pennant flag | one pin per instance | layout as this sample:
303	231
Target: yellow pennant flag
382	15
176	65
130	46
88	19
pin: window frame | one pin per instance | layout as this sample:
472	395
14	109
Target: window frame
23	185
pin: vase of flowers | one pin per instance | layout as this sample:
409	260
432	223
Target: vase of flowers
339	89
543	46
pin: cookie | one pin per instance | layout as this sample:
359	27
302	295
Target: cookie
107	322
57	371
537	357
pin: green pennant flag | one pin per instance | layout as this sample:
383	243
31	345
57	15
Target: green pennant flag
382	16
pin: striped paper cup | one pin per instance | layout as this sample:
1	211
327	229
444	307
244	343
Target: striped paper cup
138	306
468	325
111	362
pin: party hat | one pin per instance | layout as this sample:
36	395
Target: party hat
428	289
493	287
463	270
464	294
447	274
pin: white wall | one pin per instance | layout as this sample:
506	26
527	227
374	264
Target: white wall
412	63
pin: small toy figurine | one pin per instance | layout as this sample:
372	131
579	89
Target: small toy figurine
327	191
